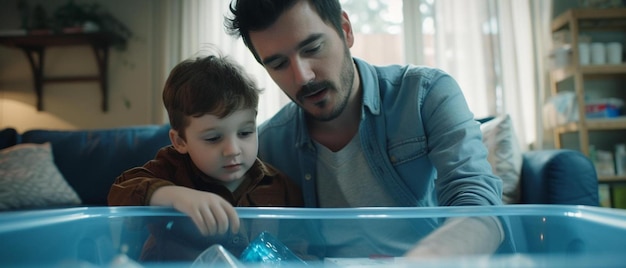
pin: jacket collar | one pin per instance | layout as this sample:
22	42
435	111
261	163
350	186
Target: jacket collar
369	84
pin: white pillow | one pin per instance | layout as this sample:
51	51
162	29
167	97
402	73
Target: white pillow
505	155
30	179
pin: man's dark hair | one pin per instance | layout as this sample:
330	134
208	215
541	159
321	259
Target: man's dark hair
257	15
207	85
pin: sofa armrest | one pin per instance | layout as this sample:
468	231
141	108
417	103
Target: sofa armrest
558	176
8	137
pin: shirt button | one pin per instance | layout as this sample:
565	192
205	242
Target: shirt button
235	240
307	177
393	159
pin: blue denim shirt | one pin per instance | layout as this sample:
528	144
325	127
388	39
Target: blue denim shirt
418	135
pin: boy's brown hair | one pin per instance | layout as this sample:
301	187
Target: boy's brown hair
207	85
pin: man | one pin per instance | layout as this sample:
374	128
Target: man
357	135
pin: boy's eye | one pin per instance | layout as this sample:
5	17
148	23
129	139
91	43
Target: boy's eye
245	133
213	139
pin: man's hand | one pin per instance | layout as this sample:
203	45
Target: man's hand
209	212
461	236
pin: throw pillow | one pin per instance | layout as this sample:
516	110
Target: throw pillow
30	179
505	155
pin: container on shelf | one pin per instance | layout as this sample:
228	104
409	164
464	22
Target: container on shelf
614	53
598	53
603	108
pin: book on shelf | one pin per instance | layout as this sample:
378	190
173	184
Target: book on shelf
604	194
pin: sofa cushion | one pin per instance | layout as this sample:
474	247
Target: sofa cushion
505	155
90	160
29	179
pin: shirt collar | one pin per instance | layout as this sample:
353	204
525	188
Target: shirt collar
369	84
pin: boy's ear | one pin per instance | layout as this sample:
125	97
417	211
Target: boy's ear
179	144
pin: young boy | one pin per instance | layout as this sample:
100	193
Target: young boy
211	165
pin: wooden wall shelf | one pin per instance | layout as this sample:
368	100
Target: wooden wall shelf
34	47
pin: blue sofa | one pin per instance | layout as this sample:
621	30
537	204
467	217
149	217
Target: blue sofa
90	160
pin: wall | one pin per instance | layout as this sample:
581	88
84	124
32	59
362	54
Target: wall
560	6
134	83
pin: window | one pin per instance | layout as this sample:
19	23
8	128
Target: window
377	27
485	45
380	31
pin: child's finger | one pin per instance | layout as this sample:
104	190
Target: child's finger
233	219
199	222
221	218
209	221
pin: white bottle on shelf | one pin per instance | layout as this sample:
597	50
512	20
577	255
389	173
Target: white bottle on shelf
620	159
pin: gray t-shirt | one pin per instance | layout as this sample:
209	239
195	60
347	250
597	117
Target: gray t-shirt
345	180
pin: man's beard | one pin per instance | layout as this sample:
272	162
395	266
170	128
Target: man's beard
347	81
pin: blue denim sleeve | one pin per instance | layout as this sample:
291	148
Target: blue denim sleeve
456	149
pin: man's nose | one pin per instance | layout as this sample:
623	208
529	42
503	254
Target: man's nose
302	71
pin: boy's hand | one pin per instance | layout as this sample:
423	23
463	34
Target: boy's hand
210	212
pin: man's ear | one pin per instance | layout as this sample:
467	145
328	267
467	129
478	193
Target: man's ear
346	26
179	143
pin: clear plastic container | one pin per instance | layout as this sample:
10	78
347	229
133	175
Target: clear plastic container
536	236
